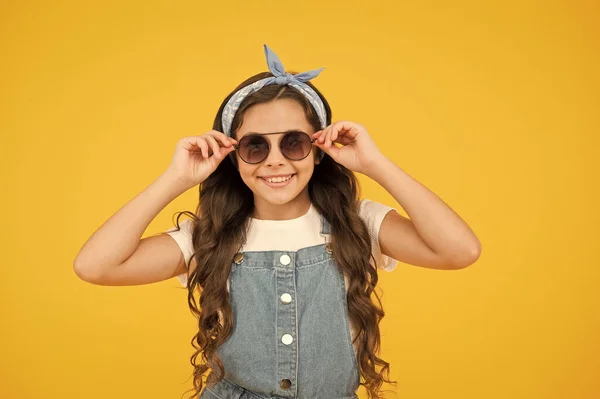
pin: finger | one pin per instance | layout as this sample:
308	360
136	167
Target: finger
226	149
344	140
226	140
334	133
324	146
221	137
348	129
216	136
229	138
331	150
318	134
322	136
213	145
330	137
190	143
333	128
340	139
334	136
203	147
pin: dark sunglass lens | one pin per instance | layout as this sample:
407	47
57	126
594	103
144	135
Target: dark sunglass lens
253	148
296	145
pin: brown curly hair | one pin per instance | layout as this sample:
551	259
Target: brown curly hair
219	231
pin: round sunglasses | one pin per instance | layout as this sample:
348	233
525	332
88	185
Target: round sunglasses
254	148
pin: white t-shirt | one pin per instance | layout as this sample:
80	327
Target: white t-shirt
292	234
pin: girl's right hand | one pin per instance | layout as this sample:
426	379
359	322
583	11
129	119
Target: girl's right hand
196	157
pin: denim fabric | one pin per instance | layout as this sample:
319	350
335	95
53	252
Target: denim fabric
290	322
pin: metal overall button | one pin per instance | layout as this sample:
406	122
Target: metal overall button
287	339
285	259
238	258
285	298
285	384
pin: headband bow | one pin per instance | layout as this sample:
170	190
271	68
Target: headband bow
279	77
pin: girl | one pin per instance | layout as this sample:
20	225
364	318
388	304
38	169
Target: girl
281	250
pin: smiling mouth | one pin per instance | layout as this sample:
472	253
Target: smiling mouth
278	183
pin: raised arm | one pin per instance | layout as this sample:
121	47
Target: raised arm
116	255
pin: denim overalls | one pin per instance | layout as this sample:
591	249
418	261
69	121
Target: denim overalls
291	336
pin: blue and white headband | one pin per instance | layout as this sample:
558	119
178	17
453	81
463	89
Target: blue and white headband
280	77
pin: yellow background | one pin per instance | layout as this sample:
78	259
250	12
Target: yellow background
493	106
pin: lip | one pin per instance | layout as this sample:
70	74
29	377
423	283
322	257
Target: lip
281	175
278	185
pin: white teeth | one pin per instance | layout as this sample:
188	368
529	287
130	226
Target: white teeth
278	179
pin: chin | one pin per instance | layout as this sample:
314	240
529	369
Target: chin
278	201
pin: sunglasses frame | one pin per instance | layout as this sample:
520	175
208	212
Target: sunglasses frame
237	146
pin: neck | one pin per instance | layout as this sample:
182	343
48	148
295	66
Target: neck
293	209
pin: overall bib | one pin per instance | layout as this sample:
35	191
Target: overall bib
291	336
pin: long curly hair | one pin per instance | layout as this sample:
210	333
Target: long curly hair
219	231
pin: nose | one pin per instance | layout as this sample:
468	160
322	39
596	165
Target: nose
275	157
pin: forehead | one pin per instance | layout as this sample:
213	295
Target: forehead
275	116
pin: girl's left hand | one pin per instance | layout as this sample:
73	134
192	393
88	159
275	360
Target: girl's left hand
358	152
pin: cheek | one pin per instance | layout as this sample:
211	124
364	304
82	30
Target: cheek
306	168
247	173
